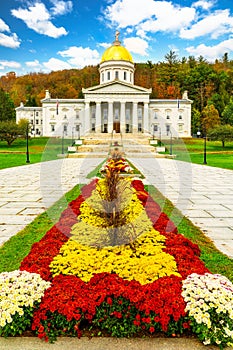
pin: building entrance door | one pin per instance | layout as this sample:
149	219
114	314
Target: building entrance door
116	126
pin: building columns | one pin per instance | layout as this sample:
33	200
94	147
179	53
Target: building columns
98	117
87	126
146	118
135	118
122	117
110	117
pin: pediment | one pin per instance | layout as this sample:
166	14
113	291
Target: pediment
116	87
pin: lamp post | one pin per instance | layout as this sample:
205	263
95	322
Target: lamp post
170	143
62	142
27	146
205	161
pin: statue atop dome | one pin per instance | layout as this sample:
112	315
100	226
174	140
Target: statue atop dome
117	35
117	41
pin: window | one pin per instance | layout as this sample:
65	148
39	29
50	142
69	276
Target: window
108	75
139	127
41	121
37	114
102	76
52	127
77	128
116	74
168	129
93	127
155	128
180	127
37	121
155	115
125	76
65	128
180	117
168	117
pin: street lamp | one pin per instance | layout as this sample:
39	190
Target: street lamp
27	146
170	143
205	161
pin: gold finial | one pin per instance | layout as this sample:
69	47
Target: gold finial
117	35
117	42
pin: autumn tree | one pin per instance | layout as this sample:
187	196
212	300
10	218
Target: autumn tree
210	118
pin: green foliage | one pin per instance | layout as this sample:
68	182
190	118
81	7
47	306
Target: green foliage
227	115
7	108
23	125
19	323
9	131
115	316
221	133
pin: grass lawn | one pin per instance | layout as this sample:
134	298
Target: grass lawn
192	150
40	149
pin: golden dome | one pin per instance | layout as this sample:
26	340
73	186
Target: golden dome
116	52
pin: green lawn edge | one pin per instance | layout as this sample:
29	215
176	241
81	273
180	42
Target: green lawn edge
13	251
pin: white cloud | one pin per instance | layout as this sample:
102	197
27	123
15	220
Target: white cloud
205	5
215	25
168	18
8	40
125	13
153	16
80	57
37	18
104	45
11	41
9	64
211	52
55	64
61	7
33	64
3	26
136	45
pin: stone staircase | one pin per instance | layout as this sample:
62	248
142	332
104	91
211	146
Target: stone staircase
99	145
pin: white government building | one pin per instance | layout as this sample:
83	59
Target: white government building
115	104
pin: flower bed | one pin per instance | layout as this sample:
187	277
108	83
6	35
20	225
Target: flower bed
125	274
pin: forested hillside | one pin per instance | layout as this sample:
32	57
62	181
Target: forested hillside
207	83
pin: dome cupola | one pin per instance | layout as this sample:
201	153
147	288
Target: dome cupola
116	63
116	52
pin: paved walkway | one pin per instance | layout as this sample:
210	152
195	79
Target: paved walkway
105	344
27	191
202	193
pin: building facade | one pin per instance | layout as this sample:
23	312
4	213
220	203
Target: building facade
116	104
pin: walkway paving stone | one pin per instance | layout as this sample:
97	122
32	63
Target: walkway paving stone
204	194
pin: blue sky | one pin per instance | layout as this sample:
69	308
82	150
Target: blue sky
49	35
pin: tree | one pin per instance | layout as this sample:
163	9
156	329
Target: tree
210	118
23	126
7	108
221	133
9	131
227	115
